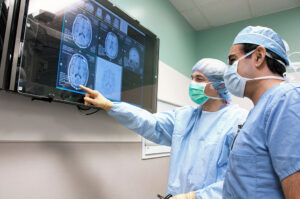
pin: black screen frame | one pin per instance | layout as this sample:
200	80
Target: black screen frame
151	57
9	36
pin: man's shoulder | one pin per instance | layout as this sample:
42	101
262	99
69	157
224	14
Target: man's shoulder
283	95
284	91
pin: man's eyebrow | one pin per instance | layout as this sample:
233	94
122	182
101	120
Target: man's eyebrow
231	57
199	75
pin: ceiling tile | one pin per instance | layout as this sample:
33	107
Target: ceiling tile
265	7
225	11
296	3
183	5
196	19
214	13
201	2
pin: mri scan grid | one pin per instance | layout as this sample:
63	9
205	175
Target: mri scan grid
96	49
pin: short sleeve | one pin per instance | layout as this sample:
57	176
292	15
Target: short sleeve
283	134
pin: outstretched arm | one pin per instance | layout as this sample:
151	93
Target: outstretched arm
157	127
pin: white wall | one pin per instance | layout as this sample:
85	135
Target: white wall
55	170
173	86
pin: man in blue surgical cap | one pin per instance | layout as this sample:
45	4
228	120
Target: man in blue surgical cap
200	137
265	159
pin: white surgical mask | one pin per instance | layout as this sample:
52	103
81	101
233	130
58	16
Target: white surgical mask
235	83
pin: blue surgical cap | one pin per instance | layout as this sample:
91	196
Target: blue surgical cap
265	37
214	70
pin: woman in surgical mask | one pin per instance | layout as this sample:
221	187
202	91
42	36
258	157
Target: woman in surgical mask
200	137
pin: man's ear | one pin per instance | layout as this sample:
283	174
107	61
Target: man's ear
259	56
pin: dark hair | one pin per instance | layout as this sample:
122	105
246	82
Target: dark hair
273	65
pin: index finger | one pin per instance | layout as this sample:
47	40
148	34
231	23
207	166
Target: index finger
88	90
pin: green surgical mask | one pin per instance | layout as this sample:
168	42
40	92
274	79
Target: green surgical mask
197	94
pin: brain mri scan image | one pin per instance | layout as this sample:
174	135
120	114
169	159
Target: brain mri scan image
116	23
134	58
90	7
99	13
78	71
108	18
82	31
111	45
108	79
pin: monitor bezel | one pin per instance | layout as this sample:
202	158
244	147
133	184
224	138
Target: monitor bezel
19	49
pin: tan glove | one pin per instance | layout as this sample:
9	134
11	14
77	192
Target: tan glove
95	98
190	195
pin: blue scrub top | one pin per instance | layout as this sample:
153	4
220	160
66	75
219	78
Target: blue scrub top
200	143
267	149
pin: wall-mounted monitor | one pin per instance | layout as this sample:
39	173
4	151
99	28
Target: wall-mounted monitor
86	42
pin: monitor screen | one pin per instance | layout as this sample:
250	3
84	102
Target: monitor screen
90	43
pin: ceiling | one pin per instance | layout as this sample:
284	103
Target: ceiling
204	14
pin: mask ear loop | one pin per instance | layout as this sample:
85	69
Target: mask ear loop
211	97
281	62
285	77
246	55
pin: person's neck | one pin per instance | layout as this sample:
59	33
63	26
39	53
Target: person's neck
213	105
258	87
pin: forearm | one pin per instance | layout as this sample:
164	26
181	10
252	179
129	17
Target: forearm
291	186
140	121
